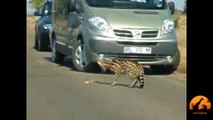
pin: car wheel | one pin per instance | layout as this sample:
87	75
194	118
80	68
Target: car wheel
79	58
160	69
167	69
41	44
36	42
57	57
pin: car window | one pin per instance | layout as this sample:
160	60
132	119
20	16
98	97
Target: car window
128	4
47	9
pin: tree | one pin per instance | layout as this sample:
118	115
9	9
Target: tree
37	3
184	9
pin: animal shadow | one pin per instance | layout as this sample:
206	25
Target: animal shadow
118	84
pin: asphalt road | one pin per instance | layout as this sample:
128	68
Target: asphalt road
57	92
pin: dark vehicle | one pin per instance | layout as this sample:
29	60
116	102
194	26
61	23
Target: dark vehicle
42	27
141	30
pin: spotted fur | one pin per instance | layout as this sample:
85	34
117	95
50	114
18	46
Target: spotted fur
134	70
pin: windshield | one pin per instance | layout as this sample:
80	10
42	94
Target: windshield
128	4
46	10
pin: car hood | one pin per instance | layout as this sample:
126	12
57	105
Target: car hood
46	20
126	18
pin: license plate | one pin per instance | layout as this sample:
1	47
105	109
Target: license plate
138	50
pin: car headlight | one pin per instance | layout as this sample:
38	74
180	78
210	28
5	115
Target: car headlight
167	26
100	24
47	26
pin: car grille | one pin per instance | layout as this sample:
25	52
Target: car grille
149	34
139	43
128	33
123	33
137	57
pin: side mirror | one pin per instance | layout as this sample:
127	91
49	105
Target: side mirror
171	7
37	12
78	7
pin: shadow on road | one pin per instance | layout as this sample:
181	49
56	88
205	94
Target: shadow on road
68	63
118	84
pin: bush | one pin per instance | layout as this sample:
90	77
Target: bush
176	19
37	3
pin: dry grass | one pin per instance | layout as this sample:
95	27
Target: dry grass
181	36
31	21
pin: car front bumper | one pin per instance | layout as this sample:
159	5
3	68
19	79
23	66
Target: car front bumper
164	52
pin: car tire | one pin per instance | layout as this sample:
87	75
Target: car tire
57	57
79	58
36	42
167	69
161	69
41	44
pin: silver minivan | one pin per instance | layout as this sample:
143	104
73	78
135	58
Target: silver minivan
141	30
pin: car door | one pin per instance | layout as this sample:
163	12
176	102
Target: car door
60	22
65	24
73	21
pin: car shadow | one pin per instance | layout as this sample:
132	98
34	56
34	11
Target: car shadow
69	64
47	50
